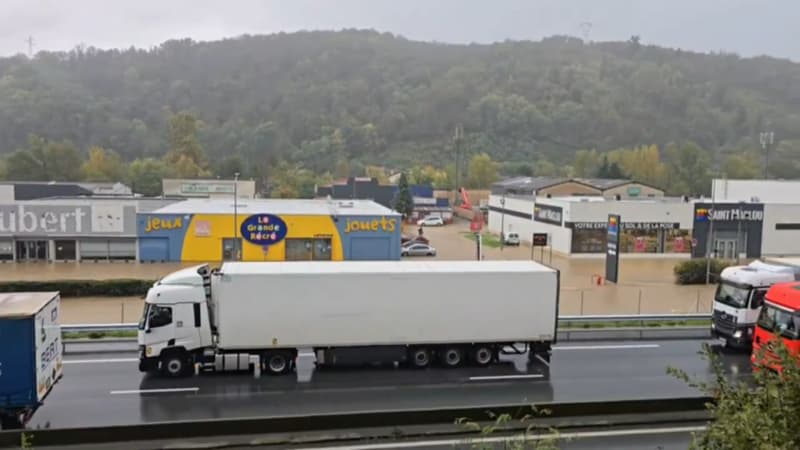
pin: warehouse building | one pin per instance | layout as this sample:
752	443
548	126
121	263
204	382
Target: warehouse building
203	230
208	188
565	187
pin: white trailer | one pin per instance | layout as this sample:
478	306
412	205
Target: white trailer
740	295
416	313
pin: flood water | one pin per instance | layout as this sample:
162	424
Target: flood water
646	284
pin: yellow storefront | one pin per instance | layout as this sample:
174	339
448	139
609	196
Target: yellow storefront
269	230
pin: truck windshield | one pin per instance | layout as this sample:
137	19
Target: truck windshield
779	321
733	295
143	320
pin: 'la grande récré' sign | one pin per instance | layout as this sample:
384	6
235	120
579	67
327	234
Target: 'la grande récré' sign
264	229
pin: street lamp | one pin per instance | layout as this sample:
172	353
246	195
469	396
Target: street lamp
766	138
236	247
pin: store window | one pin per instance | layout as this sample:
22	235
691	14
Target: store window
232	249
6	250
640	241
65	250
318	249
678	241
589	240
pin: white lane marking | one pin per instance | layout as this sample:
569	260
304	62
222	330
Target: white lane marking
99	361
605	347
488	440
155	391
505	377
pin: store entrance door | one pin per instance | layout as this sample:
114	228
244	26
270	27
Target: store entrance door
31	250
231	249
725	248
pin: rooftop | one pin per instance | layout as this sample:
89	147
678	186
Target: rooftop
362	267
311	207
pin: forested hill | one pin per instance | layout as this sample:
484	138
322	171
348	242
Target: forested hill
317	97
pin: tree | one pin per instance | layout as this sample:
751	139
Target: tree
45	160
185	157
103	165
587	163
742	166
377	172
404	203
482	171
688	170
145	175
610	171
750	415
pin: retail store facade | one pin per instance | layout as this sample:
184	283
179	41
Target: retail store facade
269	230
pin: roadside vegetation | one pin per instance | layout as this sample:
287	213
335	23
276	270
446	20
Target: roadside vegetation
693	271
122	287
487	239
752	413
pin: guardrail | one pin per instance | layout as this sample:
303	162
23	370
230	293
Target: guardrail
642	318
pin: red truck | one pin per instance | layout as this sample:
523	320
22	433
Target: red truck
780	317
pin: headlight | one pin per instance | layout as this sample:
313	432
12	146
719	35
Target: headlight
737	334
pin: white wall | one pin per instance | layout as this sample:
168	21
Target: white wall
633	211
778	191
560	237
780	242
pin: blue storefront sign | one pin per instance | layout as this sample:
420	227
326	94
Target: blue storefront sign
263	229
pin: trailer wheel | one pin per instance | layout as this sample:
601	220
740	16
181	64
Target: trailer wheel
277	363
420	357
452	356
482	355
11	421
175	365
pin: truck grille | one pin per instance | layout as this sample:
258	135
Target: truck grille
724	323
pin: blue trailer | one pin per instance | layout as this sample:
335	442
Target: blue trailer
30	353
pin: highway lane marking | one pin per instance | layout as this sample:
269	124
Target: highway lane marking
505	377
493	439
606	347
155	391
99	361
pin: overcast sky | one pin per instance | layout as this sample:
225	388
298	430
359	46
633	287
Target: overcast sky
747	27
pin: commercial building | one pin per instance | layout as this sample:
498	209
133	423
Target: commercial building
561	187
426	203
11	191
203	230
576	226
92	229
658	227
186	188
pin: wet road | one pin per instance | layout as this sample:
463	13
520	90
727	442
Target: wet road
108	389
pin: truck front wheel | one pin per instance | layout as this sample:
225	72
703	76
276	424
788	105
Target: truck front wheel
175	364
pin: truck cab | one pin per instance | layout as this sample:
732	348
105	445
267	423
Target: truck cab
175	325
779	319
739	297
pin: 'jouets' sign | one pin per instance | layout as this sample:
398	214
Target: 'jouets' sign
263	229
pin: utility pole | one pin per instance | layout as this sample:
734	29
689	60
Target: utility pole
767	138
237	249
29	41
457	138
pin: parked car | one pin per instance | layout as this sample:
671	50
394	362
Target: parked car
417	249
431	221
511	239
409	239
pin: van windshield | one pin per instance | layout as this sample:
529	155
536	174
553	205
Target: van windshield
733	295
779	321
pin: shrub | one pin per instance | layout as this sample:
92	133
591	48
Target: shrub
82	288
693	271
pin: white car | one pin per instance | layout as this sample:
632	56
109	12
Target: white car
431	222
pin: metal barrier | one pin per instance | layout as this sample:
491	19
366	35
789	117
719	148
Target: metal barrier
611	318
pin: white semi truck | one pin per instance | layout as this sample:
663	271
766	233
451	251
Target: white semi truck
740	295
353	312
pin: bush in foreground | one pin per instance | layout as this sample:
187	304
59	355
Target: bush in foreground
82	288
756	414
693	271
